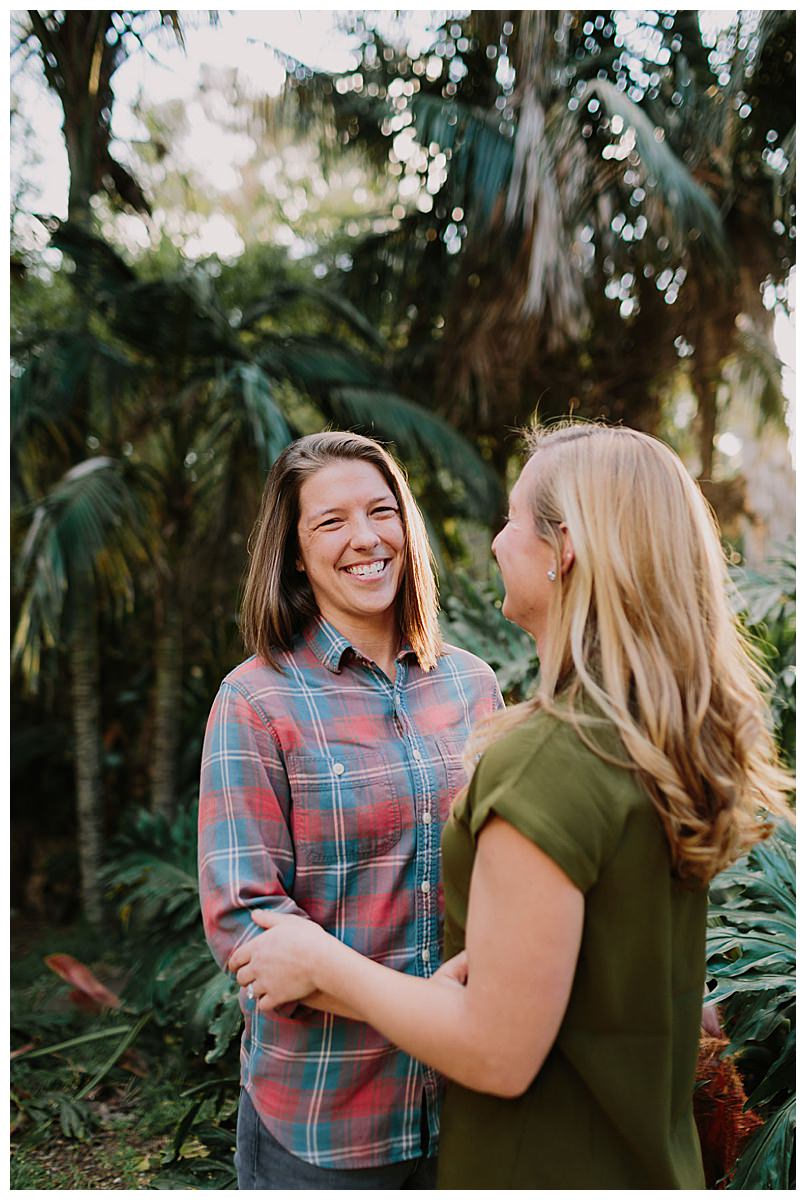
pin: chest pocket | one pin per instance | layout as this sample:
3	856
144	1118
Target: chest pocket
344	806
451	749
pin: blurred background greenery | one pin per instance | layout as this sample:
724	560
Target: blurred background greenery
432	227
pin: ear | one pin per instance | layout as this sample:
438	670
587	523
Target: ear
300	566
568	554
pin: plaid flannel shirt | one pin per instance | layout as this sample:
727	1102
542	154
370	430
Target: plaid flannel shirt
323	791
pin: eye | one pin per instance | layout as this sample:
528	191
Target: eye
329	523
384	511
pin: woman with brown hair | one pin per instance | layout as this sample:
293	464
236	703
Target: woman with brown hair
576	864
331	759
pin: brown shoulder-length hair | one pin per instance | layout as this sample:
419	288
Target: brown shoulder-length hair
278	601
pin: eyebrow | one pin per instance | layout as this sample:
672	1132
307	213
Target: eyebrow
323	512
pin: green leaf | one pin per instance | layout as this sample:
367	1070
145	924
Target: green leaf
285	296
751	959
481	156
247	391
86	535
766	1161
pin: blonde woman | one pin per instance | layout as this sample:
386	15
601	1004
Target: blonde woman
576	864
331	759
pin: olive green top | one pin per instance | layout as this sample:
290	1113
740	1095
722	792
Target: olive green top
611	1107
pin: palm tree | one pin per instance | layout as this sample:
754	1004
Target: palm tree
216	400
571	199
83	544
734	125
79	52
510	252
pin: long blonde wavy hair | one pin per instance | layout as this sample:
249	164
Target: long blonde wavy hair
641	630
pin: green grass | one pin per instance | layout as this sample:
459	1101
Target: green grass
112	1158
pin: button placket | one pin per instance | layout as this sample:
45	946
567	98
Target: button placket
424	796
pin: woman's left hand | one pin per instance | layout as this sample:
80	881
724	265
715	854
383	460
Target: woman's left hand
280	963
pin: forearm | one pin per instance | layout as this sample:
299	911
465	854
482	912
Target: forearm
437	1022
228	927
330	1004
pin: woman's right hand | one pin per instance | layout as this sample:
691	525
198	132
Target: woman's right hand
280	964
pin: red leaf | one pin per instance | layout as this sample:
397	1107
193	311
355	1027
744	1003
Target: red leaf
89	992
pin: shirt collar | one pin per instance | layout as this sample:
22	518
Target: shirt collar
327	643
330	646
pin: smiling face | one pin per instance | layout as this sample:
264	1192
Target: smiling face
351	543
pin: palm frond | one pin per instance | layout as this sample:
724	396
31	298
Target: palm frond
85	532
767	597
462	477
472	618
286	296
171	321
314	363
101	268
751	955
52	368
686	204
246	392
481	155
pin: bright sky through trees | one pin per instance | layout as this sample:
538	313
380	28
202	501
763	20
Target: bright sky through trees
246	39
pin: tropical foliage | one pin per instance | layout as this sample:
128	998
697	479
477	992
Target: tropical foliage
174	990
766	601
751	968
579	182
205	400
565	211
473	620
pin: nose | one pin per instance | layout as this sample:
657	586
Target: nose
363	535
492	546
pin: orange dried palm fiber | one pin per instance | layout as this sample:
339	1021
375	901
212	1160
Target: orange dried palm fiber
722	1121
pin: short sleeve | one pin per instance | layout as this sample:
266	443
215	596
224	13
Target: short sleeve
544	781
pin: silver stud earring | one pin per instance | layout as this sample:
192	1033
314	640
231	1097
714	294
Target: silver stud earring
551	574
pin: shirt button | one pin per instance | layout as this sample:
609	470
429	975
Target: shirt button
338	768
425	886
425	954
416	755
426	818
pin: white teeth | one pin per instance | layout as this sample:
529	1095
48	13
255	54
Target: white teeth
368	569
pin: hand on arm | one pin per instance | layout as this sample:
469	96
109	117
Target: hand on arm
524	930
277	979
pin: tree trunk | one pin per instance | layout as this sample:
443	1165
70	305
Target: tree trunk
705	377
706	413
167	705
85	669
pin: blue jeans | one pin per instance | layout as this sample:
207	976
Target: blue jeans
261	1162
